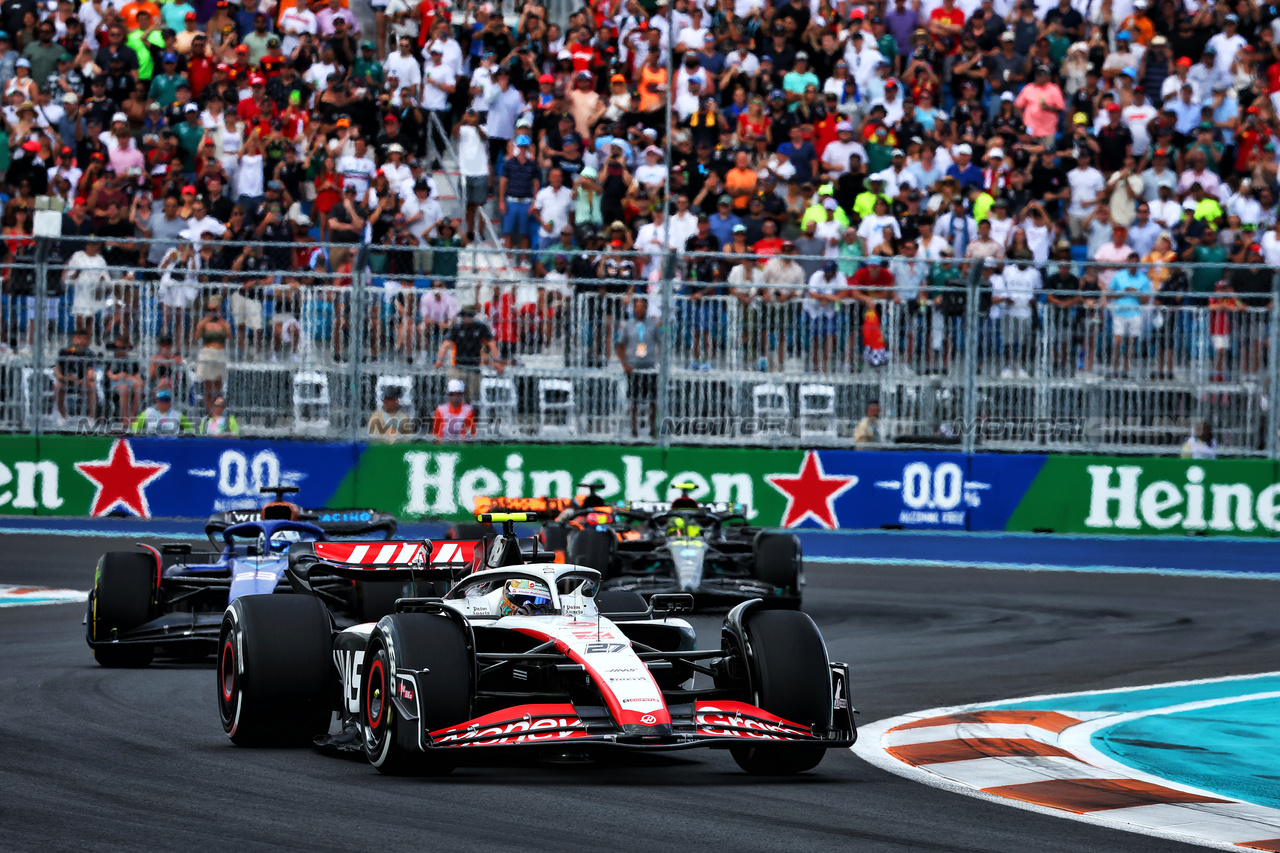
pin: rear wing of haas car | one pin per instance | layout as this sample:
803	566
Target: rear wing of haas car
334	522
421	560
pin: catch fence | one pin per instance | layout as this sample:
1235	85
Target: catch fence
304	340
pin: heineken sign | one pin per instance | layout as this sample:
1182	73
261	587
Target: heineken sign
91	476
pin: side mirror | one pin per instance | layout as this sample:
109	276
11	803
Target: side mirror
175	548
670	603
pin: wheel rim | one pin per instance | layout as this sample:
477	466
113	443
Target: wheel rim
227	671
375	694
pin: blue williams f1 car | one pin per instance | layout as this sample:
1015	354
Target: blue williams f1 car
169	601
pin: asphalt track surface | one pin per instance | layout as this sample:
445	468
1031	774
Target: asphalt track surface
94	759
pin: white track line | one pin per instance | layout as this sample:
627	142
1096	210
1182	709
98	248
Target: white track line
21	596
1221	826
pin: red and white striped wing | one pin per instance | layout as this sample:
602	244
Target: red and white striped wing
394	554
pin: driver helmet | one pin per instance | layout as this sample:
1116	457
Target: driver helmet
525	597
675	527
280	511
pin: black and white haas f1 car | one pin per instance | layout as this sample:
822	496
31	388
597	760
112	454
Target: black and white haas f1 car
520	655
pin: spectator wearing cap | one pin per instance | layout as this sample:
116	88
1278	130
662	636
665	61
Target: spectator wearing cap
162	417
454	419
332	10
256	40
519	184
1154	68
963	170
1226	44
438	84
1042	105
1205	75
390	422
466	346
164	85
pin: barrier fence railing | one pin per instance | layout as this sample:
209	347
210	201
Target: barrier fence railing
954	355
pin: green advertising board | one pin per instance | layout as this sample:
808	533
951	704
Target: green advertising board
39	476
442	481
93	476
1149	496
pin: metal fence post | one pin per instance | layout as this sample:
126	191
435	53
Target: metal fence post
1272	442
971	353
355	354
41	292
664	361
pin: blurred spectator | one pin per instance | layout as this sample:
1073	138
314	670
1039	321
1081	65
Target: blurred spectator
867	430
389	422
220	423
213	332
465	347
75	373
638	343
162	418
454	419
125	378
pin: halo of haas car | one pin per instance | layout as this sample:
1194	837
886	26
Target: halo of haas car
518	653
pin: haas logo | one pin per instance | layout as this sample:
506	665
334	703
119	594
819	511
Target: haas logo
648	719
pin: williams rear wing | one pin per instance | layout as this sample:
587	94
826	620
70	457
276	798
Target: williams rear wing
334	522
421	560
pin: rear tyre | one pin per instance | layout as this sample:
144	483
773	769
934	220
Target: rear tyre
593	549
778	561
555	536
276	681
621	601
792	679
124	591
375	600
435	648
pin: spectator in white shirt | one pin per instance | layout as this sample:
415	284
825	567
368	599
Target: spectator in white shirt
1012	293
551	207
403	65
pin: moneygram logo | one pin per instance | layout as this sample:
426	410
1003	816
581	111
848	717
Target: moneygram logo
1120	499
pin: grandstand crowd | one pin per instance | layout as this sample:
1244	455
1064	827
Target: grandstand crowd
1051	143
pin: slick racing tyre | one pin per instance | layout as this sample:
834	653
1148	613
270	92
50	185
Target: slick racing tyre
377	599
555	536
277	685
778	563
791	676
593	549
435	648
124	591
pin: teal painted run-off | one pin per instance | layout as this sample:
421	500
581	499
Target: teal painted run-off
1230	748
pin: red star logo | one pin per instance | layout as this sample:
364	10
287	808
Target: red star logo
121	480
811	493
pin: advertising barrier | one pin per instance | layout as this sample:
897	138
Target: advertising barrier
820	489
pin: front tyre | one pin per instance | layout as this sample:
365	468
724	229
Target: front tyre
277	685
435	650
791	676
124	592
